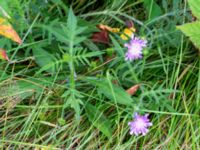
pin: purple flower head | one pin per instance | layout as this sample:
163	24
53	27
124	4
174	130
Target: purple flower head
135	47
139	125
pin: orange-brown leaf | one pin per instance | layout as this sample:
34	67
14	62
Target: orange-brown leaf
108	28
133	89
3	54
7	31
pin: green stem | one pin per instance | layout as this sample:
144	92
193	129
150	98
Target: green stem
71	66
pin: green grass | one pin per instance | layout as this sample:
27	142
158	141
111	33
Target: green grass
44	106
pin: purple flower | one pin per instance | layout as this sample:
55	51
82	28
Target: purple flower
135	47
139	125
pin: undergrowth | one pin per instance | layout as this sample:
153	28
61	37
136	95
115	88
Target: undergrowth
61	90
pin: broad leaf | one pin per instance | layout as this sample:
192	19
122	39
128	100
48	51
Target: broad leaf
22	88
28	87
195	7
192	30
97	118
112	92
153	9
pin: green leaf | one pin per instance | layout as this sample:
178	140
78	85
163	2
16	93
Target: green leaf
75	104
3	75
22	88
97	118
28	87
82	56
117	46
11	9
56	31
192	30
43	58
152	8
71	21
74	101
195	7
112	92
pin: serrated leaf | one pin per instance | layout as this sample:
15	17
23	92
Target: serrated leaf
195	7
192	30
114	93
3	55
74	101
97	118
57	32
7	31
71	21
75	104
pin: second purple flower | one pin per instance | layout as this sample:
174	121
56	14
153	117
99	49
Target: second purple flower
140	124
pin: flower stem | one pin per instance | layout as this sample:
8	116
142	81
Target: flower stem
71	66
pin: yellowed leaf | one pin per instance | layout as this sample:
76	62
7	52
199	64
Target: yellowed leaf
3	54
7	31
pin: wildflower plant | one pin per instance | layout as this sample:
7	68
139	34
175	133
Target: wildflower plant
73	90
